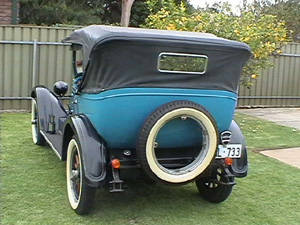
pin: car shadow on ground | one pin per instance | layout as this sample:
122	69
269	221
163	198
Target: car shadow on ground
149	196
139	200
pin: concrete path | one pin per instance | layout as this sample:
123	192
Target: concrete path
283	116
290	156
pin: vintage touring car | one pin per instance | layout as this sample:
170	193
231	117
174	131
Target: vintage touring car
145	103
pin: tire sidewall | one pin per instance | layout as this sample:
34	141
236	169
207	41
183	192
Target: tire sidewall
72	146
37	137
152	126
86	197
216	194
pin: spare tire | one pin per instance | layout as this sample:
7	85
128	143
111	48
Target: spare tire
146	142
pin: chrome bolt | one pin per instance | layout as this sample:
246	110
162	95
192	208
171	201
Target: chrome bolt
127	152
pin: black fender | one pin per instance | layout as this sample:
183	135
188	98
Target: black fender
239	167
48	104
52	117
92	146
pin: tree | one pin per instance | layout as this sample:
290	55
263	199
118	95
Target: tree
265	34
155	6
85	12
126	10
286	10
77	12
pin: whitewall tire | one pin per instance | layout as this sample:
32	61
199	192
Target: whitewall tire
37	137
80	195
156	121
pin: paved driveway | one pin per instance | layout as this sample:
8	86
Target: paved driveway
290	156
284	116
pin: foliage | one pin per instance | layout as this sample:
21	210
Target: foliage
287	10
78	12
113	9
155	6
42	12
218	7
264	34
139	12
84	12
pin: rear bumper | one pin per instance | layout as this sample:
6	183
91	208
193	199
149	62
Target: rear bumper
130	163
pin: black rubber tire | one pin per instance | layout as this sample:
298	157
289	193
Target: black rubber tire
87	196
211	193
37	137
151	121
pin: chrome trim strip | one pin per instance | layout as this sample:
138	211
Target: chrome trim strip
27	98
159	94
181	54
288	54
53	148
269	97
32	43
226	137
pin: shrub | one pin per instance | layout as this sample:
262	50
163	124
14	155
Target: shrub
264	34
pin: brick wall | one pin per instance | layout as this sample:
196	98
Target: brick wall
5	11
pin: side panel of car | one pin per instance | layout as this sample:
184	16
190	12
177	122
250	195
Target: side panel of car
52	117
92	146
119	114
239	167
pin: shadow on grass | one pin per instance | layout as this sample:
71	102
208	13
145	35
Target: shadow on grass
154	195
140	198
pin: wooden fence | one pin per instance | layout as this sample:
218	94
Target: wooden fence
31	55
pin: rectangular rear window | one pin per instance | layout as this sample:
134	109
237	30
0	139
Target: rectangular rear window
182	63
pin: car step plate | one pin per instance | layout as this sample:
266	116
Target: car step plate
230	150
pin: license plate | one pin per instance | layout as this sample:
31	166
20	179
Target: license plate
231	151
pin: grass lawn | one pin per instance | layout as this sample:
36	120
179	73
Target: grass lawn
33	186
261	134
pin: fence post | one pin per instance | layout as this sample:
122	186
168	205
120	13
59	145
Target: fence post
34	60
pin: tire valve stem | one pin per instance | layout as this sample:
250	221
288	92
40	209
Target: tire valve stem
183	117
155	144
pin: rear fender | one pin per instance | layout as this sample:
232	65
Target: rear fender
92	146
239	167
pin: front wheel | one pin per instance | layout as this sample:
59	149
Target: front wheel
37	137
216	188
81	196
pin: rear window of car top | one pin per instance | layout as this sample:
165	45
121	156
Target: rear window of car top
170	62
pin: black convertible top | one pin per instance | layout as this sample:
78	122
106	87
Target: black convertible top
92	35
132	52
